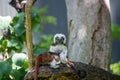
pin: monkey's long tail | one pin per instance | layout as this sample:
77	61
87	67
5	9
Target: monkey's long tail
37	63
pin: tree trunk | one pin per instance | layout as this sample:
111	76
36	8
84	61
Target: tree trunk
89	32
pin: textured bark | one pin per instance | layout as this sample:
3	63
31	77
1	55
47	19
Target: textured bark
84	72
29	33
89	32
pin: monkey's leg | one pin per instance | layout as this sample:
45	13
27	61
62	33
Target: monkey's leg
54	64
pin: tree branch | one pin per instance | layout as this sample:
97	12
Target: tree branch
83	72
28	32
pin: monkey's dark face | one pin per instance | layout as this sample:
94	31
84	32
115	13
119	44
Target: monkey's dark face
59	39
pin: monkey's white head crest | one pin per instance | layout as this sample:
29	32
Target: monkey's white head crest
59	39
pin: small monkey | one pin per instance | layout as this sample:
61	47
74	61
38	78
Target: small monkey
60	48
56	55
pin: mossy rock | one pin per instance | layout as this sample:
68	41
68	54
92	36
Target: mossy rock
81	72
48	73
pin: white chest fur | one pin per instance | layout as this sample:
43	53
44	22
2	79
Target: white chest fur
62	50
58	48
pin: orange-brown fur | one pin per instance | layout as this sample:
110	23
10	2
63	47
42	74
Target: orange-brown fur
46	57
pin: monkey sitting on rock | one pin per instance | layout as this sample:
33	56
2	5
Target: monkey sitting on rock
56	55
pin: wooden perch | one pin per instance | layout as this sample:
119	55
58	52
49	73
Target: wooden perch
84	72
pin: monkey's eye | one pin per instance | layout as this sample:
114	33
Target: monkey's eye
62	38
57	38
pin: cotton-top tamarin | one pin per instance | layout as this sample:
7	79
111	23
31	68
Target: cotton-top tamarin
59	47
56	55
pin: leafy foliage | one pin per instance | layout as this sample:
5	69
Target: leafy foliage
17	37
4	22
43	45
39	21
15	67
115	31
8	72
115	68
5	67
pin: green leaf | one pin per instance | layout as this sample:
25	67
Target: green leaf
43	46
4	43
18	24
22	73
36	27
115	68
115	31
19	18
12	43
9	60
15	74
19	59
51	20
37	50
43	10
15	43
18	74
19	29
39	19
46	41
25	64
40	11
5	66
1	75
48	20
